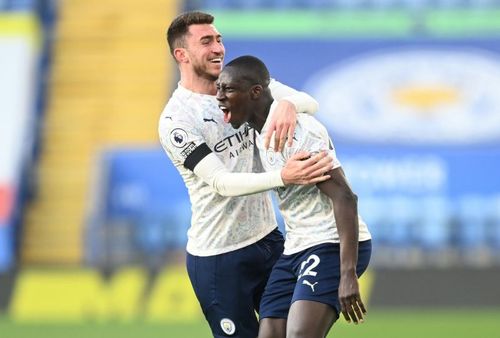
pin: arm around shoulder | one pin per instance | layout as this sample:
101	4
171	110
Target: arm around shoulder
213	172
303	102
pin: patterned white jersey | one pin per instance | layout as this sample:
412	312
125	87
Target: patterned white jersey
308	213
191	126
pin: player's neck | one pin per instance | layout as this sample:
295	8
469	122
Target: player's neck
198	84
260	116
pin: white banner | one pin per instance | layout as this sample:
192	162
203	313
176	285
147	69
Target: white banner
18	67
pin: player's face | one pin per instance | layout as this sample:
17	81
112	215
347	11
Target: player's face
205	51
234	99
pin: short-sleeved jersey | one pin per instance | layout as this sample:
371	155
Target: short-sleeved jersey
308	213
191	126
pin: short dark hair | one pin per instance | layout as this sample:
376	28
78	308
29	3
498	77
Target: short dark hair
180	25
251	69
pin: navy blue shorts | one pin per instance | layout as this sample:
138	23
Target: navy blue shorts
312	274
229	286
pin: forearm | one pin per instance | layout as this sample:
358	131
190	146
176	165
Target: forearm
345	208
241	184
215	174
303	102
346	219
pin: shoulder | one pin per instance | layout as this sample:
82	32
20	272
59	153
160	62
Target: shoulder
173	115
183	109
309	125
178	118
179	105
275	85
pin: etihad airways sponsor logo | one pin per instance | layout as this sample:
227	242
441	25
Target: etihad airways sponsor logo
235	143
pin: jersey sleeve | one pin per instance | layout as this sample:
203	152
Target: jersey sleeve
183	141
311	136
213	172
303	102
186	146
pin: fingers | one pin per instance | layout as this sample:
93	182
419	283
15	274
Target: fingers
362	306
267	138
345	314
358	311
280	139
283	134
314	170
353	310
323	166
301	155
308	158
317	179
319	164
286	132
291	132
302	169
269	134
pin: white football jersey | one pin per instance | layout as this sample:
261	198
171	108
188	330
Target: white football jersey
190	126
308	213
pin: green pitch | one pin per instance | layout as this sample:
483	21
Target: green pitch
379	324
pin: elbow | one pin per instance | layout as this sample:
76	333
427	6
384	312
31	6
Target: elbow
227	193
349	198
353	198
312	104
221	191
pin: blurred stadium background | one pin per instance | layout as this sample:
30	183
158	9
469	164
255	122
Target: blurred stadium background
93	216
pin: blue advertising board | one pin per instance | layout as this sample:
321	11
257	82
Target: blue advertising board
416	126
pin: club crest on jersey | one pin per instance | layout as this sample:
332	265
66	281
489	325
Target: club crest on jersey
227	325
178	137
271	156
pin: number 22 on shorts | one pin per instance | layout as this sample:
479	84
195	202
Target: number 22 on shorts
308	271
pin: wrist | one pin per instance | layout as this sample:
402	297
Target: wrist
286	101
289	100
350	270
284	180
279	179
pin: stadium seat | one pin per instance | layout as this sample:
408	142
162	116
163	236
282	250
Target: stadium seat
107	87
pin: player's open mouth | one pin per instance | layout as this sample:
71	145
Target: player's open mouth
227	113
